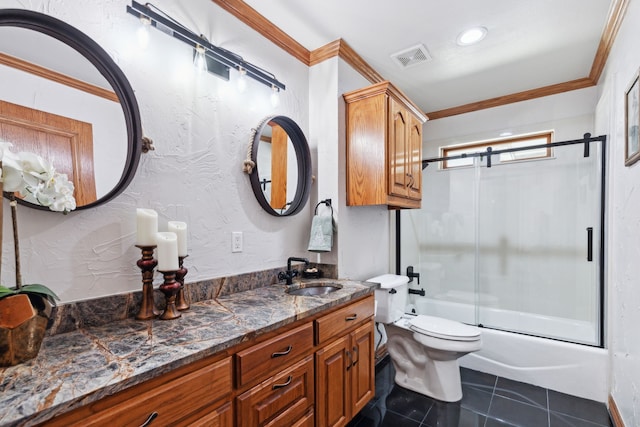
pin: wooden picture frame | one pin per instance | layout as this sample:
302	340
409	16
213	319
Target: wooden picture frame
632	122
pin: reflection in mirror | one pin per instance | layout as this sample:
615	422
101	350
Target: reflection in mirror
281	178
278	167
62	97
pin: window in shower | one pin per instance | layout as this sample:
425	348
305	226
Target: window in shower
516	247
454	153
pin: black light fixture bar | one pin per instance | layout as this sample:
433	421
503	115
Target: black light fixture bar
222	56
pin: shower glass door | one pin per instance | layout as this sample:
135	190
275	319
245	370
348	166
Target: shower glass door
539	246
515	246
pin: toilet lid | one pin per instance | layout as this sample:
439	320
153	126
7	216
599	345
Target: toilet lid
444	328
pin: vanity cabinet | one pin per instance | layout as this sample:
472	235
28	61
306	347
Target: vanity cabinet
345	378
316	372
194	395
384	148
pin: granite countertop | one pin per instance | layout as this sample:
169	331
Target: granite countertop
80	367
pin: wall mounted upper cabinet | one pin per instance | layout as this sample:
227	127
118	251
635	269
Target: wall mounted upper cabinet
384	148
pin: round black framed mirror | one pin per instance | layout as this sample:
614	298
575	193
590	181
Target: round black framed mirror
96	65
281	177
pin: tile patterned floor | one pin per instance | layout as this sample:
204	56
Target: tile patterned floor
488	401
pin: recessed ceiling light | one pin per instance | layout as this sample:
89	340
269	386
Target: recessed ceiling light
471	36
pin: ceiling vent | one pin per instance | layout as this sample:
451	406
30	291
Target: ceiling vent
412	56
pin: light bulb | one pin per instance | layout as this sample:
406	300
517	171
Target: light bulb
199	60
242	80
275	96
143	32
471	36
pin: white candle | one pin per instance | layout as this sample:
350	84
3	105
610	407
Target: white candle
147	223
180	228
167	251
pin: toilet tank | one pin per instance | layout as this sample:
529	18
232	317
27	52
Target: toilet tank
391	297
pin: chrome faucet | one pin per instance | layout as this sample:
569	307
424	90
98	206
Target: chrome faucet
290	274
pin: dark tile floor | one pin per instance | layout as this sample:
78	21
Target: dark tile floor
488	401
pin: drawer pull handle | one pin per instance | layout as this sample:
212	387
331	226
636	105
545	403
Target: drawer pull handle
277	386
282	353
349	318
151	417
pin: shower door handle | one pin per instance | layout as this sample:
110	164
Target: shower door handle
589	244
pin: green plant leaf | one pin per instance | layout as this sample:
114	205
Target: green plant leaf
5	292
42	290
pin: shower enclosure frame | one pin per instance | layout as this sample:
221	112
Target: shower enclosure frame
586	140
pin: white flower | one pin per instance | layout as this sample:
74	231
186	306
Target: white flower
35	180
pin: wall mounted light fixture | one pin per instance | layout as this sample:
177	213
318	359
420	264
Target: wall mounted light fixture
217	60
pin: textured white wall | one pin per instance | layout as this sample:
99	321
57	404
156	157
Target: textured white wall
323	128
361	227
358	226
622	221
200	126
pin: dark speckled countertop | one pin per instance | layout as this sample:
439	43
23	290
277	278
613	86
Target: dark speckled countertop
80	367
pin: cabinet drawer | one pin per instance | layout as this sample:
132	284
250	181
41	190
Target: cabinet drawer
281	400
217	417
172	401
336	323
274	354
307	420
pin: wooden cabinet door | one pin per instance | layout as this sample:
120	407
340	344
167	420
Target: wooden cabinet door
414	159
332	383
64	142
397	148
362	367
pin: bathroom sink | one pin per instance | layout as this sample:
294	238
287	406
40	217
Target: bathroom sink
314	288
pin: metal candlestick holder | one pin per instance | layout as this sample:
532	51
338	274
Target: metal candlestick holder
181	299
170	290
147	264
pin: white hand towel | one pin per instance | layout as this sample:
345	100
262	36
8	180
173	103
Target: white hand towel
321	238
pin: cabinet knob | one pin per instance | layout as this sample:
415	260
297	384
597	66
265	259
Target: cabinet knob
281	353
284	384
150	419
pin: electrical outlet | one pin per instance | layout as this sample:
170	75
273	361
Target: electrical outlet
236	241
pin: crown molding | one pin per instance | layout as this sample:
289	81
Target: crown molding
340	48
614	20
513	97
262	25
54	76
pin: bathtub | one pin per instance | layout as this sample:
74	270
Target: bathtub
575	369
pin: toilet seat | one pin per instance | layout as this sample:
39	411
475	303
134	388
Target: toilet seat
443	328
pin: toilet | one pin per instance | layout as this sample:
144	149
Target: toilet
424	349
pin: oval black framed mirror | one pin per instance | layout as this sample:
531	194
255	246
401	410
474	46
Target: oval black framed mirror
78	64
281	176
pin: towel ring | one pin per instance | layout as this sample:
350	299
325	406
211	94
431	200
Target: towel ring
326	202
